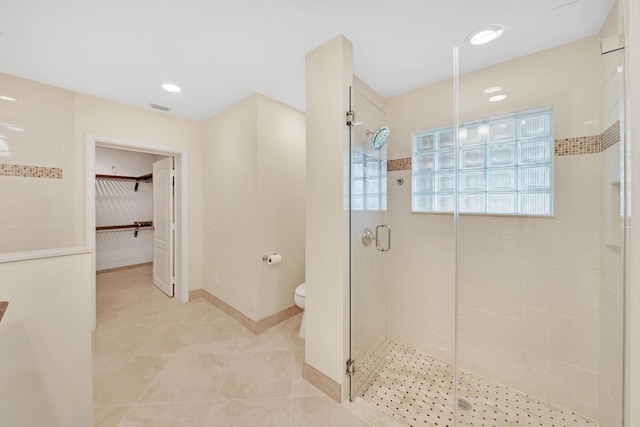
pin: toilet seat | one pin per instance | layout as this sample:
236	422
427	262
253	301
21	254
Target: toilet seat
299	299
301	290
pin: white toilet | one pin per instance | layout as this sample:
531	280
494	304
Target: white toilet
301	293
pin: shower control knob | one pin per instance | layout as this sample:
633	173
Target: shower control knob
368	236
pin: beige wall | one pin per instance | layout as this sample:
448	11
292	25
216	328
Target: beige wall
36	130
329	75
231	205
281	203
112	119
254	205
45	355
41	213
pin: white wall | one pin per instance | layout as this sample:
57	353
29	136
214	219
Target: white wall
45	336
111	161
117	203
254	205
37	130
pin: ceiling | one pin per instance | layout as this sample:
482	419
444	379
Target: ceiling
221	51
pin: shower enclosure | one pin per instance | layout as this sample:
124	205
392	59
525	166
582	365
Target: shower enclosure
370	237
501	301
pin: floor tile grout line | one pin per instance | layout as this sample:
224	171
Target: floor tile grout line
233	358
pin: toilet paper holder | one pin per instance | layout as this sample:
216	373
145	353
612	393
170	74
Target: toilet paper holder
265	258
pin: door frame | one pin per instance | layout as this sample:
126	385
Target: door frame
181	201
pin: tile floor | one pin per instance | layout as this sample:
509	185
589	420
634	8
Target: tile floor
158	362
417	390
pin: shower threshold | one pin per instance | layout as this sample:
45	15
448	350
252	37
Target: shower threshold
417	390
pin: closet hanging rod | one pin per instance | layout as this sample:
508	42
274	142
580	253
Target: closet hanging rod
142	178
136	226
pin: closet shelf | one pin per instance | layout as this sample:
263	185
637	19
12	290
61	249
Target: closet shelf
147	178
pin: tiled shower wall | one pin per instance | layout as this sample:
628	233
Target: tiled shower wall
36	166
528	287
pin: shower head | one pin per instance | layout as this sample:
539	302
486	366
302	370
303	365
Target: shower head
379	138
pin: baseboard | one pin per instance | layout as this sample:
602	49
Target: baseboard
322	382
124	267
251	325
195	294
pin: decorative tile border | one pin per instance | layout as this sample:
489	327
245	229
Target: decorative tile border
563	147
580	145
399	165
611	135
3	308
30	171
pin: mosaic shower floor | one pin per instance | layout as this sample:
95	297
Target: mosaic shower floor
417	390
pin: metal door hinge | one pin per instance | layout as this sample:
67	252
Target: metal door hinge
351	118
351	367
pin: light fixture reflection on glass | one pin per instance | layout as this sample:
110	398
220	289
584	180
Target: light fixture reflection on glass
463	133
497	98
170	87
485	34
7	98
620	69
12	127
492	89
483	130
4	148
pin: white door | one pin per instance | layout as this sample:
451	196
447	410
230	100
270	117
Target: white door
163	225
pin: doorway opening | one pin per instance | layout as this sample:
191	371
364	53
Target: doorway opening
170	212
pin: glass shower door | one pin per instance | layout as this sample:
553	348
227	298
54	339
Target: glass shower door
369	240
539	219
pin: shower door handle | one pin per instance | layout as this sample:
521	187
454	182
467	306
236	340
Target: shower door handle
378	244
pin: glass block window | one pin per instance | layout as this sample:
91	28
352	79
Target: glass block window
368	180
505	166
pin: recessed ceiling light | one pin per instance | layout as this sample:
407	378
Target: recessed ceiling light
7	98
497	98
492	89
170	87
485	34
